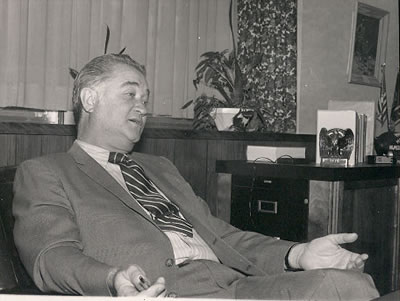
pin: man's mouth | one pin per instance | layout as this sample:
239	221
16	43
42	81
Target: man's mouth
138	121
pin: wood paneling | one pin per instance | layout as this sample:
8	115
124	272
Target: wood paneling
159	147
191	161
221	150
7	149
56	144
27	146
369	210
36	129
194	153
319	204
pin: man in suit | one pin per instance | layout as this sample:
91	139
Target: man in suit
80	229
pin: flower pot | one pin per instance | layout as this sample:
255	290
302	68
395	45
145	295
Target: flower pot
223	118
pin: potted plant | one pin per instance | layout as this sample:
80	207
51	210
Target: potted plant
220	71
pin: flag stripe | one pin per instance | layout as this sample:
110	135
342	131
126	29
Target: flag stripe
382	112
395	114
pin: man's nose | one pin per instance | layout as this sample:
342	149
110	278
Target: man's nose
140	107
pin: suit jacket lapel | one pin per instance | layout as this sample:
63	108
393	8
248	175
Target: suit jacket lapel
98	174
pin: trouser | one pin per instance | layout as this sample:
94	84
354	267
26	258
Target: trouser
208	279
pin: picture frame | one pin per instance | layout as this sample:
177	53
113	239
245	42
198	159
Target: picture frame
368	44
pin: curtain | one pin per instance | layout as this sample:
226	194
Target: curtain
268	29
41	39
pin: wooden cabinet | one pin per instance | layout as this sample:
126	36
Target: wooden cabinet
362	199
274	207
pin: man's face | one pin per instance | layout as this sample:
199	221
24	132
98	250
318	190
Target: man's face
119	115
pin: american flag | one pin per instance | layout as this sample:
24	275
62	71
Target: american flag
382	112
395	114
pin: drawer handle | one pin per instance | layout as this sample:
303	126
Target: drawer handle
268	206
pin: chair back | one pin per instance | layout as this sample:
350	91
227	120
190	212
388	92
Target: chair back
13	275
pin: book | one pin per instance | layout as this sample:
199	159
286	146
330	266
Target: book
337	137
272	153
361	137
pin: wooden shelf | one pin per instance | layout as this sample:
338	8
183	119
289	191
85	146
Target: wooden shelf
309	171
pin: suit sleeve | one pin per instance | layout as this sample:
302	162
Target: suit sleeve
47	237
265	252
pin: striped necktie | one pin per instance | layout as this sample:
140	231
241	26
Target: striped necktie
164	213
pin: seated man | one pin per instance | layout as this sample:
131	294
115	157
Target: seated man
95	221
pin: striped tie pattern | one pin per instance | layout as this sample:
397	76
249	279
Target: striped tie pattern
164	213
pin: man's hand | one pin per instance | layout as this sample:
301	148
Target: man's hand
325	252
133	282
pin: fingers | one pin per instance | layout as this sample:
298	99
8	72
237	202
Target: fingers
157	289
138	278
357	262
133	282
343	238
144	283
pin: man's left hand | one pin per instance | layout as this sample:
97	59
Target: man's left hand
326	252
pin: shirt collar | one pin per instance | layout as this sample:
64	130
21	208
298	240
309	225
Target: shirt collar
98	153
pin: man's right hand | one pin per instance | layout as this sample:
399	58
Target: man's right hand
132	281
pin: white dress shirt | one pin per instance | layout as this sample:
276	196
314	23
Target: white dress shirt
184	247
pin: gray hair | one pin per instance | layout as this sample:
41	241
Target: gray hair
96	71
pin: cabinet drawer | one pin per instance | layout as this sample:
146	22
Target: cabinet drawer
274	207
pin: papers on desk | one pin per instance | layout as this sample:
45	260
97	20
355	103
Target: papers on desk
266	153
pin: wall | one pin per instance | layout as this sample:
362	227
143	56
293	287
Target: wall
324	31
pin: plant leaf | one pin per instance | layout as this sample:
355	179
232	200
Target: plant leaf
228	100
107	40
209	76
231	26
187	104
73	73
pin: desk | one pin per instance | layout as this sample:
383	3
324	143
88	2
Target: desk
362	199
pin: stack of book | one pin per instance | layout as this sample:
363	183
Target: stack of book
341	137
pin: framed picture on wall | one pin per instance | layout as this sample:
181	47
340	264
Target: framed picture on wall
368	44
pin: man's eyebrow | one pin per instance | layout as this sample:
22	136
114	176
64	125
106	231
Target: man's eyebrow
130	83
136	84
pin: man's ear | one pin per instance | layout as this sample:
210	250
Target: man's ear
89	98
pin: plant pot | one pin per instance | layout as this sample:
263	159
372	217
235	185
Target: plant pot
223	118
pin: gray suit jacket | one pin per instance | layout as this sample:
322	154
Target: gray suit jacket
74	222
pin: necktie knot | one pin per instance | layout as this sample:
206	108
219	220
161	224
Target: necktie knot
119	158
